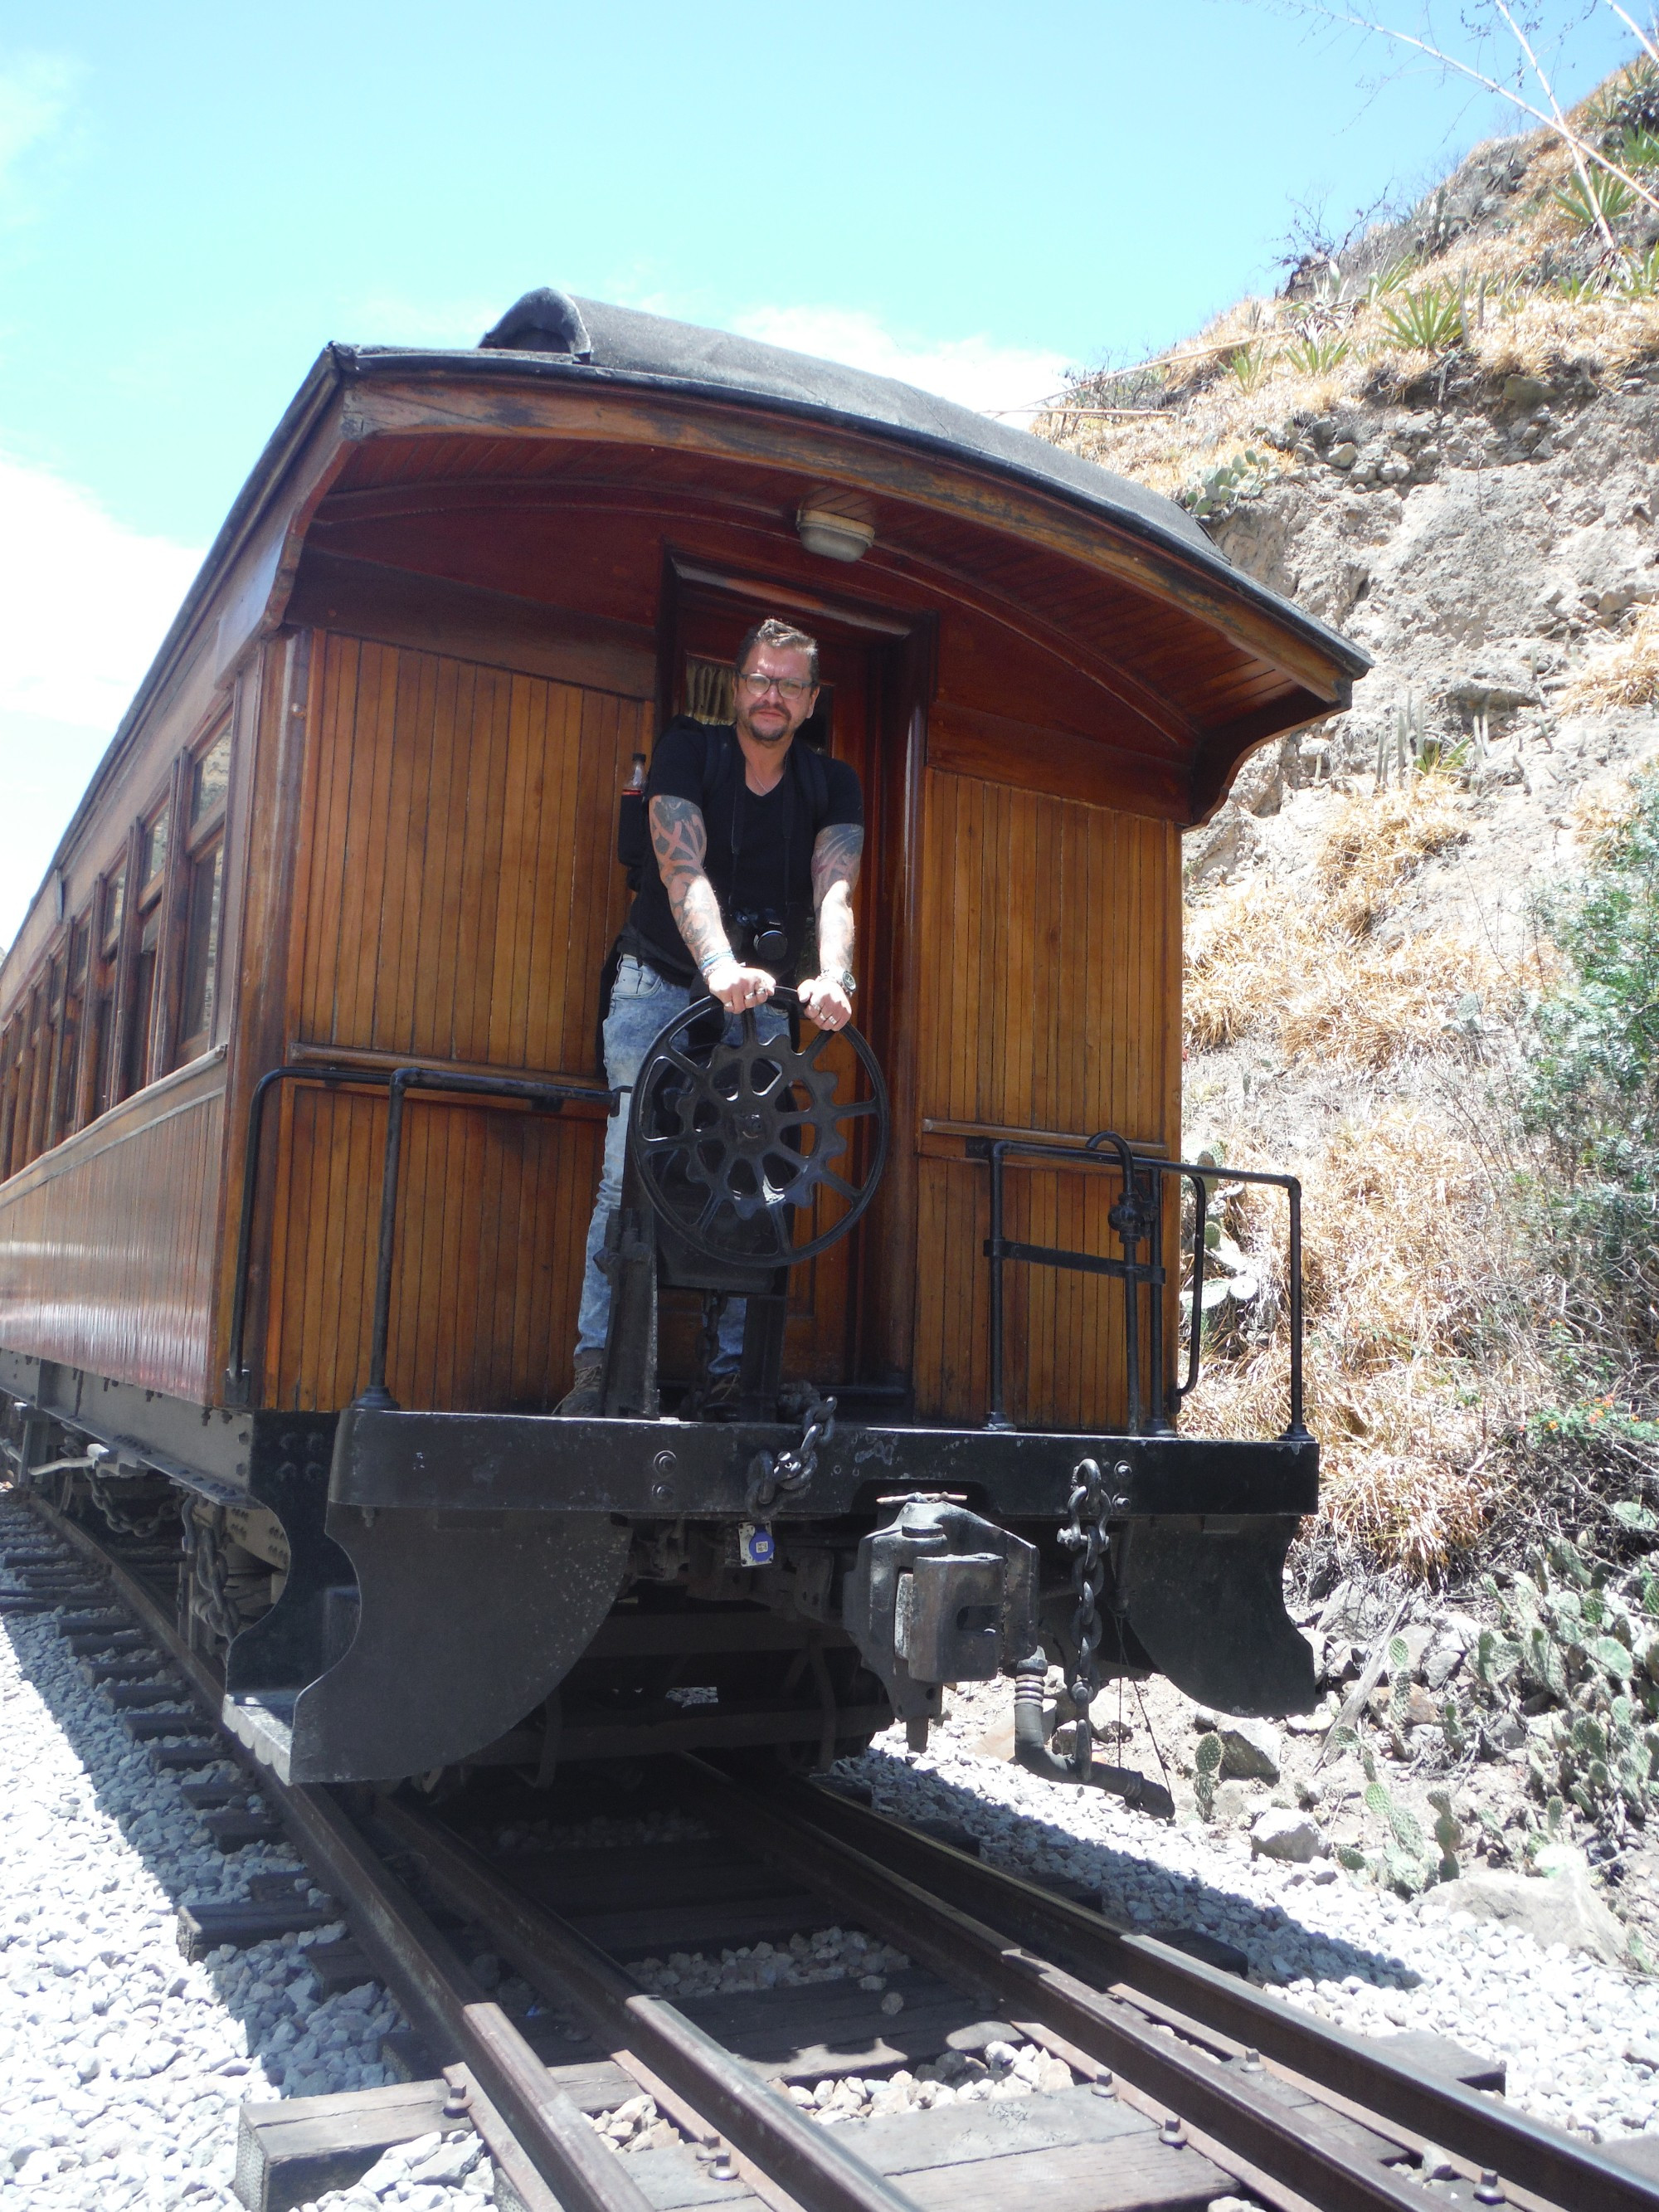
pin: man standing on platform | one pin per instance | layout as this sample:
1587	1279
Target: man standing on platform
755	837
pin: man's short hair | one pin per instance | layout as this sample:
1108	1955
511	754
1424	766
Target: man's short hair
779	637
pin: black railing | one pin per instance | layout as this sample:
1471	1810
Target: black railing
335	1075
1137	1219
548	1097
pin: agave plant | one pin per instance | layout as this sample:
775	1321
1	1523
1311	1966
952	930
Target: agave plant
1316	355
1428	321
1249	365
1594	199
1637	147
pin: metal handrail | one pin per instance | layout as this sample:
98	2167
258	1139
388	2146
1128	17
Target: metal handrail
336	1075
332	1074
549	1097
1137	1217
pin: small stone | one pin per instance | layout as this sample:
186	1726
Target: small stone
893	2003
1345	455
1281	1835
1251	1750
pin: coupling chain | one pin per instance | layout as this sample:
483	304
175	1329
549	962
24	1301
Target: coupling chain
771	1479
122	1523
210	1577
1087	1539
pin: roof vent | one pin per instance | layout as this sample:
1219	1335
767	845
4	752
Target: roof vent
543	321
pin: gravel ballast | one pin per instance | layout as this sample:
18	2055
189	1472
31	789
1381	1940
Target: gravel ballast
122	2067
1580	2039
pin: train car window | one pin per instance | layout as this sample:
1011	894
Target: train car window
29	1103
8	1046
115	901
207	874
153	851
137	1055
65	1112
210	779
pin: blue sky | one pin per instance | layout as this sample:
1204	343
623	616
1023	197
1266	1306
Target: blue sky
194	199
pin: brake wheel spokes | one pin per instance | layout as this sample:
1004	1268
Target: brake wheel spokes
732	1131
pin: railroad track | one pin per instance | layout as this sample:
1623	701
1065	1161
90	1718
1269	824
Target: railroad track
1186	2083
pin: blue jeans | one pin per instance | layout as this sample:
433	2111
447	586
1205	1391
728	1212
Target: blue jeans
640	1003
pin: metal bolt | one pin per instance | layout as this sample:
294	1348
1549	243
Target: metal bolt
1104	2086
663	1464
1251	2061
722	2169
1173	2135
455	2105
662	1492
1488	2189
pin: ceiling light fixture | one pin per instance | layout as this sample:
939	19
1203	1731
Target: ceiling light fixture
838	525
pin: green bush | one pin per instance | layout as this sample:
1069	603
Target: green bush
1589	1092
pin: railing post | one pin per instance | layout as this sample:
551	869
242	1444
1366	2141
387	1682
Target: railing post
998	1418
374	1396
1293	1191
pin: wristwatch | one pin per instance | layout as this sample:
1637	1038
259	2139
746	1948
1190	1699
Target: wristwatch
846	979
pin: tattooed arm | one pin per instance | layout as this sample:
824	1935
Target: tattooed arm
834	877
680	838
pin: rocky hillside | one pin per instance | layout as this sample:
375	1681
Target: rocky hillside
1446	442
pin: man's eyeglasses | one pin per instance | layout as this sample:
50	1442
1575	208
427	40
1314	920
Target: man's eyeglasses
789	687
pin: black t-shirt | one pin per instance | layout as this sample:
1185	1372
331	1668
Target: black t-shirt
760	849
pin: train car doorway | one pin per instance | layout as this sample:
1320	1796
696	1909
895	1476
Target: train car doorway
706	617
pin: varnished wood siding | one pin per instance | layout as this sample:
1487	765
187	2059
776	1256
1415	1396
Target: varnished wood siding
462	884
460	890
1049	1001
493	1211
106	1245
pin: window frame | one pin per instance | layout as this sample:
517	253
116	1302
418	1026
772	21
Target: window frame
203	845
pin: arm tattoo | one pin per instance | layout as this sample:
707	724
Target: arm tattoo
834	877
679	838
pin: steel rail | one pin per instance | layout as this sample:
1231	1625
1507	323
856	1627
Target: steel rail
1455	2118
1287	2145
430	1982
811	2162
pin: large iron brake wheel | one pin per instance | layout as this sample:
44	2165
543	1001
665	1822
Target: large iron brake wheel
732	1136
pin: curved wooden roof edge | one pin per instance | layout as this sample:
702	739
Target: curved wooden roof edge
631	350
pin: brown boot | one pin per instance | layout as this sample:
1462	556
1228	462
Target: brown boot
584	1399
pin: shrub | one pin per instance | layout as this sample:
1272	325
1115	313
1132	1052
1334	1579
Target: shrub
1589	1090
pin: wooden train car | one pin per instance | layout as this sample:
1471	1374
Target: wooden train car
348	869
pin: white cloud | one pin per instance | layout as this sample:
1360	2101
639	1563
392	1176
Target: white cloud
84	603
84	600
34	95
976	372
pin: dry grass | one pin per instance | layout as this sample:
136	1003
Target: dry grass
1623	673
1310	972
1397	1266
1402	1276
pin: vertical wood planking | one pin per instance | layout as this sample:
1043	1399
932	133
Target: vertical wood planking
461	892
106	1254
1046	1005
